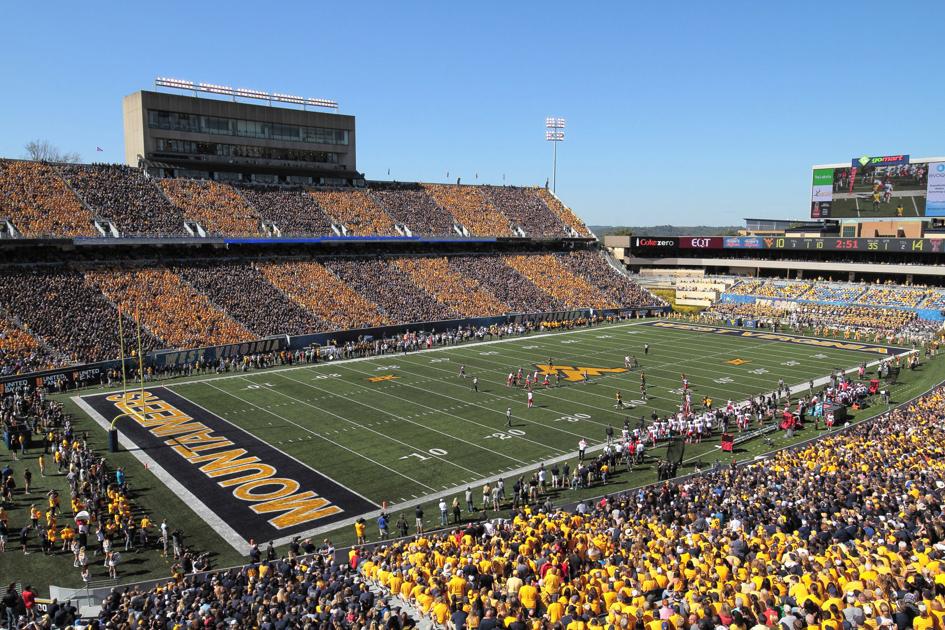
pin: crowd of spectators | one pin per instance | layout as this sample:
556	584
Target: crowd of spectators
615	285
185	304
336	306
471	209
126	197
907	297
505	283
63	502
169	308
846	533
294	212
39	203
887	322
71	315
218	208
36	196
746	287
850	293
462	294
20	352
415	209
825	292
525	208
563	212
245	292
847	320
396	296
774	289
356	211
549	275
936	300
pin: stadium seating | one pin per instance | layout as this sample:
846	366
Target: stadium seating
415	209
909	297
772	289
356	211
460	293
823	292
20	352
525	208
747	287
169	308
471	209
564	213
71	315
245	293
200	303
124	196
936	300
396	296
335	305
548	274
755	546
39	203
617	287
293	212
881	322
218	208
508	285
841	534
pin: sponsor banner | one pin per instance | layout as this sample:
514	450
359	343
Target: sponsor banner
212	355
53	380
820	209
742	242
839	344
935	192
885	160
255	489
700	242
654	242
822	187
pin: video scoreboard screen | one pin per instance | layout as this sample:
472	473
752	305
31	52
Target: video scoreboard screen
879	187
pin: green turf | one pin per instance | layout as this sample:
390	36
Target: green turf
363	434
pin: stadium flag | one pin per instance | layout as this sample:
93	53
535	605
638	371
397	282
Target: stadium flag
728	442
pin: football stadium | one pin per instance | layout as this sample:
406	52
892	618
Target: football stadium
246	381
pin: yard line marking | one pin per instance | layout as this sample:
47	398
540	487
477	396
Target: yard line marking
331	364
473	404
407	477
388	437
485	426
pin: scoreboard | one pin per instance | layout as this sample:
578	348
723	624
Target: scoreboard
835	244
644	245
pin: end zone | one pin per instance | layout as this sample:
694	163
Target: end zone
240	485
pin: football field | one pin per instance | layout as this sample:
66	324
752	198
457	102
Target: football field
304	449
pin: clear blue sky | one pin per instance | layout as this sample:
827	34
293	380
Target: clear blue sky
678	112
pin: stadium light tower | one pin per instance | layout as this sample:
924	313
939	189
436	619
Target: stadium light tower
554	133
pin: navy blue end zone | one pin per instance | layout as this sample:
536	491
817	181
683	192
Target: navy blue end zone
801	340
248	486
